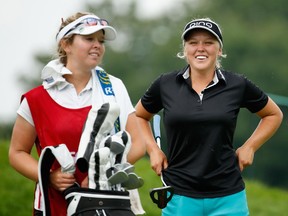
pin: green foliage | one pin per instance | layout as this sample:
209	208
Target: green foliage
6	130
266	201
17	192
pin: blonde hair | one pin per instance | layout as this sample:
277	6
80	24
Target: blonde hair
182	54
69	39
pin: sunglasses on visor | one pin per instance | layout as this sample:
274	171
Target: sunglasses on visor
89	22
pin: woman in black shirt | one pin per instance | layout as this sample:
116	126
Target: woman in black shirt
200	106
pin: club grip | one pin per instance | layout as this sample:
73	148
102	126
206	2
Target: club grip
156	127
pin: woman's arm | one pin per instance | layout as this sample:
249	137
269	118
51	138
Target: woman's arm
271	118
158	159
137	149
22	141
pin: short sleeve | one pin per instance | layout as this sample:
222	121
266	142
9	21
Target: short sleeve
254	98
24	111
151	100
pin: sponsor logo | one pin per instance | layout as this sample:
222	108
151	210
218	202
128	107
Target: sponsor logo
49	80
105	83
201	23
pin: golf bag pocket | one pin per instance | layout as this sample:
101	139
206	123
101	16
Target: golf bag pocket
91	202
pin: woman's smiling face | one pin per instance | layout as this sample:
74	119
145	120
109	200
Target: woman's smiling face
86	51
201	50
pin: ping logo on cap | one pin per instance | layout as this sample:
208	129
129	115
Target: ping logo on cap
201	23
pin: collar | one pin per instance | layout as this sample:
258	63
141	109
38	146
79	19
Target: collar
52	76
63	85
184	74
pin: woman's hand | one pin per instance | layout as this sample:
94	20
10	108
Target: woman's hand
245	157
61	181
85	183
158	160
271	118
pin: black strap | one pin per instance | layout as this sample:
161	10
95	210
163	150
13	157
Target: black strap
45	164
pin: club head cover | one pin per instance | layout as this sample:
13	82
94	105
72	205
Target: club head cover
98	125
64	157
116	146
126	139
98	164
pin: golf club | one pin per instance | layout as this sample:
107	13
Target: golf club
162	193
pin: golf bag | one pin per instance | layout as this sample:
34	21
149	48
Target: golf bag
104	157
91	202
81	201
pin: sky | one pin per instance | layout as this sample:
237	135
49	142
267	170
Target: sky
30	26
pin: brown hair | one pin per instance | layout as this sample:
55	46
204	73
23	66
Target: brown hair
69	39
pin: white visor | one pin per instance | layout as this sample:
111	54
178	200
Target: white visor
86	25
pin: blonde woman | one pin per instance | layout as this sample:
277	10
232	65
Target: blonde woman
200	106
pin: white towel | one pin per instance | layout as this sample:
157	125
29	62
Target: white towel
136	205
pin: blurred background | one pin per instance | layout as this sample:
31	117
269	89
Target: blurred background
148	40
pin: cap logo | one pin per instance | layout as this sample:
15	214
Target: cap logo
200	23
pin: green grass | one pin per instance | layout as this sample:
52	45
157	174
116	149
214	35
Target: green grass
16	192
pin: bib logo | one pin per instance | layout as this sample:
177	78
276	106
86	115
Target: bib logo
105	82
108	91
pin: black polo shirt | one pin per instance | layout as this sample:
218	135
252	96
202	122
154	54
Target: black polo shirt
202	160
